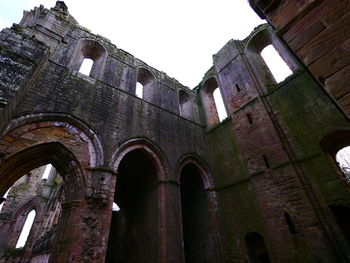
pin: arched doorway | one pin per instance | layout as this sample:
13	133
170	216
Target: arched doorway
200	244
134	231
257	252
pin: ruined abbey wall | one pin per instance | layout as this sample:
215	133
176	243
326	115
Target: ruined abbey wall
260	186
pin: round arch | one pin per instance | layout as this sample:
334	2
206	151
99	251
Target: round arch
160	163
149	148
25	123
64	161
70	169
200	164
196	190
334	141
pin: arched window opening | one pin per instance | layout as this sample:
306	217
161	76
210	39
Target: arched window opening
185	104
139	90
212	101
22	240
86	66
145	79
343	160
134	229
198	236
47	171
278	67
89	58
342	216
31	211
257	252
219	103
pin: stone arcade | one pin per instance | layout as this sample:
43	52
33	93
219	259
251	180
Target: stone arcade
262	185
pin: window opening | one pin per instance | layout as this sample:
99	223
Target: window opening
22	240
266	162
86	66
5	196
343	159
219	103
47	171
249	117
290	223
278	67
115	207
238	88
31	223
185	104
139	90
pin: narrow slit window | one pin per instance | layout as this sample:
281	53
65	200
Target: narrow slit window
343	159
22	240
139	90
86	66
276	64
47	171
219	103
266	161
290	223
238	88
250	119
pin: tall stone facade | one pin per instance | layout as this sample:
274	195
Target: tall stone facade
262	185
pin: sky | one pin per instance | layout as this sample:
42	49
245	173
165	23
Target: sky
177	37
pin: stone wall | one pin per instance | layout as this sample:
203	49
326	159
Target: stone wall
318	33
262	175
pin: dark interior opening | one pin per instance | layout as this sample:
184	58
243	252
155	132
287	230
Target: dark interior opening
197	231
257	252
134	228
290	223
342	215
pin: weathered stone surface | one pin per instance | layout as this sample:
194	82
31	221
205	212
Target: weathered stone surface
189	187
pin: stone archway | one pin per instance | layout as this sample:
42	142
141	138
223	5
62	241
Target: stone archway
200	230
142	173
76	157
23	161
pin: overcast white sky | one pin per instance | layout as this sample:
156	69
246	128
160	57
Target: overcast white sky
177	37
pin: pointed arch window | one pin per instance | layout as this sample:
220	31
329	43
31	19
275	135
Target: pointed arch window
23	237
